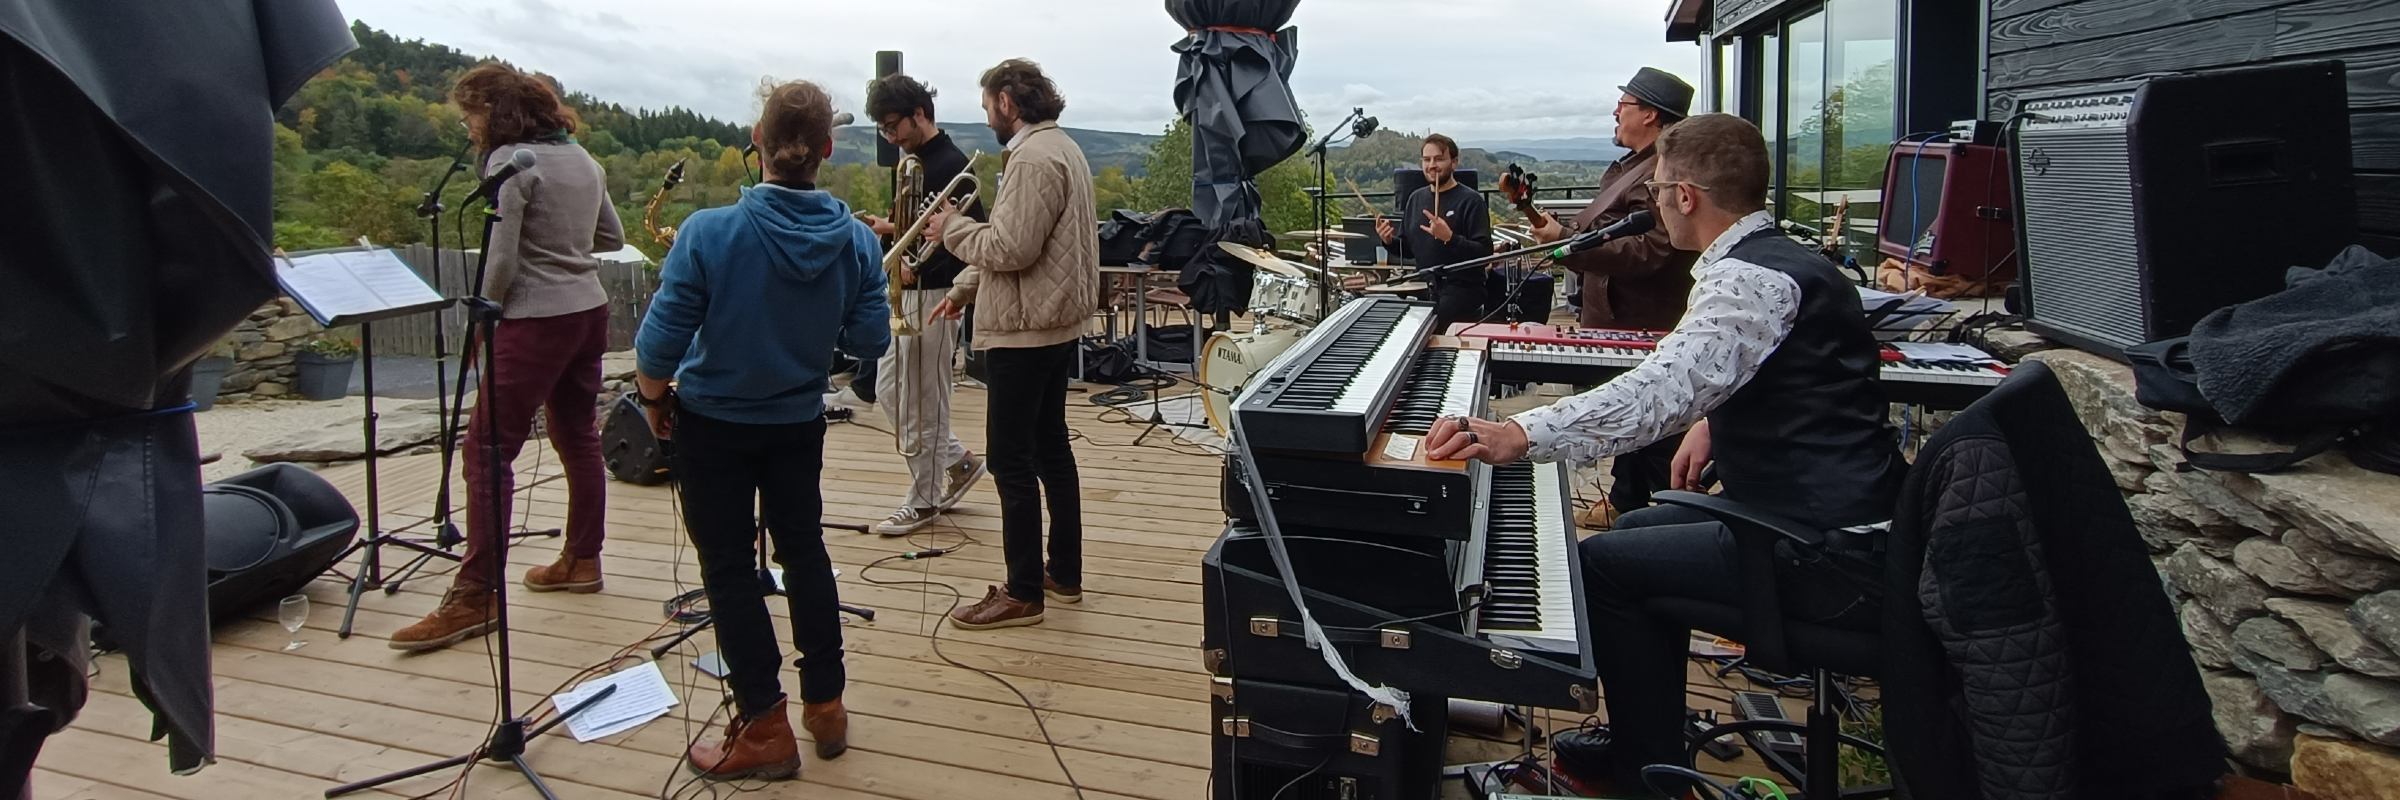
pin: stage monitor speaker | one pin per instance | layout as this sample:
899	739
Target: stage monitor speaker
2150	203
270	531
887	62
631	452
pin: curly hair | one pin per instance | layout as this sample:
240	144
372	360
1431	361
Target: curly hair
897	94
1022	81
504	105
794	128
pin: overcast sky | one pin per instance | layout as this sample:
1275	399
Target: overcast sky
1477	69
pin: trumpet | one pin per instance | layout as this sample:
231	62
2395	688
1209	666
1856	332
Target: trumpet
665	236
911	207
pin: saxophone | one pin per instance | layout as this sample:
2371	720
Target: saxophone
911	207
665	236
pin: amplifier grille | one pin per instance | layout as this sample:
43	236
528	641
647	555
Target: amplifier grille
2082	264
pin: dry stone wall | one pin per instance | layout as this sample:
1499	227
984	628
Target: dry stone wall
264	346
2288	586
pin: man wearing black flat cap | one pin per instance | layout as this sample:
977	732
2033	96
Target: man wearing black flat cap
1639	282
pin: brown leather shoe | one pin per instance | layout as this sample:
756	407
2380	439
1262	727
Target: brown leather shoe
997	610
828	723
567	574
1059	591
466	612
761	747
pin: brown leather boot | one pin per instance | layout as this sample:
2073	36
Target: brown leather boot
761	747
466	612
828	723
996	610
568	573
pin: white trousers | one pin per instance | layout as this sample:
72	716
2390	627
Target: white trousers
912	383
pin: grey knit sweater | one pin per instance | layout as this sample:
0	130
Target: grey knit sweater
553	217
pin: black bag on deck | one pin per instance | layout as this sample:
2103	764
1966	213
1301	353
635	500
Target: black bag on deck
627	446
1171	344
1108	362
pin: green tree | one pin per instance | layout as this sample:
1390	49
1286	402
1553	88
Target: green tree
355	202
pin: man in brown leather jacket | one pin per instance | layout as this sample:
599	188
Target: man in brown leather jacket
1639	282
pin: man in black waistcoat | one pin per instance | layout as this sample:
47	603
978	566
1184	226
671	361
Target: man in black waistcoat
1772	370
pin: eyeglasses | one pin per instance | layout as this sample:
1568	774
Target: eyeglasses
1654	186
890	127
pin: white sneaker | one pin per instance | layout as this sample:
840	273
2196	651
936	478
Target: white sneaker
847	398
906	521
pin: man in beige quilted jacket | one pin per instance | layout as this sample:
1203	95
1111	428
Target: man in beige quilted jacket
1035	271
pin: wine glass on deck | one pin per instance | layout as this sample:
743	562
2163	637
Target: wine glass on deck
294	614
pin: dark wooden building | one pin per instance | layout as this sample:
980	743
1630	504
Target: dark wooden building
1832	82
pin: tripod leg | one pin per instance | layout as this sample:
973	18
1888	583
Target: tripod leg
533	777
405	774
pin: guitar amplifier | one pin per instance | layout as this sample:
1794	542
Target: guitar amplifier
2150	203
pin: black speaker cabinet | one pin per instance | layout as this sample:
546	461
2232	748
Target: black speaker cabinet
887	62
270	531
1407	181
2150	203
1279	740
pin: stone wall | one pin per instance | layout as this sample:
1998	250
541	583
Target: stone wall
2288	585
263	349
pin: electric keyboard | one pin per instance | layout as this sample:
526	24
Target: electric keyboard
1329	393
1952	379
1392	487
1527	569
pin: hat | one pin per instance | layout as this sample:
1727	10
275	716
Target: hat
1662	90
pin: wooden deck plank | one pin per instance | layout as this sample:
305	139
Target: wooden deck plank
1116	679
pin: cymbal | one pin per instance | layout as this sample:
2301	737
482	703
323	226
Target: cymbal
1266	261
1327	234
1396	288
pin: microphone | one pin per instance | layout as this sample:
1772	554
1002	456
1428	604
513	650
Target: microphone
1362	128
519	161
844	118
1635	224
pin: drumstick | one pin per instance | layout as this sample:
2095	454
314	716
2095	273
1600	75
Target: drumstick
1362	199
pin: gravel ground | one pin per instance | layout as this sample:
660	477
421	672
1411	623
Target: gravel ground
234	427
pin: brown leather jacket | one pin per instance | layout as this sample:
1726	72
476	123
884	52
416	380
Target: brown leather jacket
1641	282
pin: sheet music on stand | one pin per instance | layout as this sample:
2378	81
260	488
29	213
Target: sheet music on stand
348	287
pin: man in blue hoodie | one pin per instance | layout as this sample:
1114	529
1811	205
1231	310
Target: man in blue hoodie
750	306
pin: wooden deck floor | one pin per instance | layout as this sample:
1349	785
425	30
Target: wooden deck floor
1117	678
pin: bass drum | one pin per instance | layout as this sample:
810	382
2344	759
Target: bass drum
1231	358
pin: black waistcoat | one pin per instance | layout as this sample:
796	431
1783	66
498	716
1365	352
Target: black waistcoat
1809	436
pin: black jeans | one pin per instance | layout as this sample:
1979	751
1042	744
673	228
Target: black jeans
1671	551
1025	438
1641	473
725	470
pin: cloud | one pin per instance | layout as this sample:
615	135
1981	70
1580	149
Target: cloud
1514	68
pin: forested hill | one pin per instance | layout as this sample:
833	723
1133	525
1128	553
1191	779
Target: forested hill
360	143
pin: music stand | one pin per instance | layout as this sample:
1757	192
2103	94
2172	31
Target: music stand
358	287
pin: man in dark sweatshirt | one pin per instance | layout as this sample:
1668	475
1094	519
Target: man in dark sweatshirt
1446	224
750	306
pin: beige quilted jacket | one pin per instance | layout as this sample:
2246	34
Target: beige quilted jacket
1034	270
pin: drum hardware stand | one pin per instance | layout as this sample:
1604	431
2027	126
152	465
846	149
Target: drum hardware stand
508	738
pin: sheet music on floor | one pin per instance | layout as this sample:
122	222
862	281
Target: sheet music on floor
642	695
347	287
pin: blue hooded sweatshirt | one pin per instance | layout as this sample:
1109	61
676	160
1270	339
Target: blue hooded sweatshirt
755	297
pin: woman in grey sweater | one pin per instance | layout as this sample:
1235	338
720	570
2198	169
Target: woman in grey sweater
546	348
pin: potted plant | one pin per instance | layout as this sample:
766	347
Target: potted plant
208	374
324	365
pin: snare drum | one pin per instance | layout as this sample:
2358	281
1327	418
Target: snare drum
1285	297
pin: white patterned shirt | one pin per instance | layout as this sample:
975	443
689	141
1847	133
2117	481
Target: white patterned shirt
1737	315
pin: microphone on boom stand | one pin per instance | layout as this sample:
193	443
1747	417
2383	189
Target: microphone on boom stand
1635	224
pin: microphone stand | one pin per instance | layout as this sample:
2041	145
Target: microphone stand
1324	246
507	742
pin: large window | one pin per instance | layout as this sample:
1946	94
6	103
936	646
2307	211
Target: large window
1828	101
